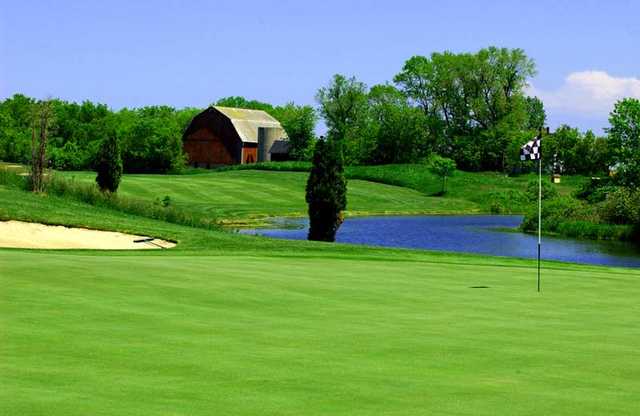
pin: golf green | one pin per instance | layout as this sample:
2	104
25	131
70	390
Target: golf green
314	334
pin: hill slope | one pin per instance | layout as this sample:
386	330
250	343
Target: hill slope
253	193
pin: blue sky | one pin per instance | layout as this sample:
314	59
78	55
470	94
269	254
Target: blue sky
190	53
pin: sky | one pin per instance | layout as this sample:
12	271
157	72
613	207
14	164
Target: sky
191	53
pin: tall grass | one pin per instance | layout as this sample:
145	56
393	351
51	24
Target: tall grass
13	178
159	210
90	194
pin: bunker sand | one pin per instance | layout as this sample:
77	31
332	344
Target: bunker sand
18	234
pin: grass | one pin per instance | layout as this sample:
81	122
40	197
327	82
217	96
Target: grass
244	325
488	191
226	324
235	195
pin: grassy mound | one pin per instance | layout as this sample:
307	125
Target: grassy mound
238	194
488	191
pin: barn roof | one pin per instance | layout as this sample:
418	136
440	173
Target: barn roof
246	122
280	147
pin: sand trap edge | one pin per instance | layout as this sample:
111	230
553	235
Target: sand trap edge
21	234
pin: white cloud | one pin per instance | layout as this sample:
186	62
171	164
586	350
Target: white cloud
589	93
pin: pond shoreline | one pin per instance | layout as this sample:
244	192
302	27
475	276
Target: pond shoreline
497	235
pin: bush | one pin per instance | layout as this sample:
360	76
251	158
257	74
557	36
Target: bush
621	206
595	190
548	190
557	211
507	202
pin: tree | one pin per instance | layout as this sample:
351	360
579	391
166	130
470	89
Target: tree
299	121
473	102
624	141
41	120
109	164
326	192
536	112
443	168
400	130
344	105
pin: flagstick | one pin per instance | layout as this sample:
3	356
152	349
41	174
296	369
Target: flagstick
539	212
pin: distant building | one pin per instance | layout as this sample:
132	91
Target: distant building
227	136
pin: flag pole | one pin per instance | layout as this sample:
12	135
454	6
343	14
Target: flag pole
539	210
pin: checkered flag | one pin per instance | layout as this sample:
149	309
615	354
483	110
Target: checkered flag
531	150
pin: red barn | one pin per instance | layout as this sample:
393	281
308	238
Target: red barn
227	136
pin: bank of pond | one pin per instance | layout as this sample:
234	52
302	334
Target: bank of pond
495	235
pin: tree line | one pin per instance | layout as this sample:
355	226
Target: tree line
468	107
149	138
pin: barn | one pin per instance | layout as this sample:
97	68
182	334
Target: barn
227	136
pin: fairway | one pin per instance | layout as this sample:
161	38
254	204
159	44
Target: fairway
315	335
253	193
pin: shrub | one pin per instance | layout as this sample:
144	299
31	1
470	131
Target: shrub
507	202
595	190
548	190
621	206
557	211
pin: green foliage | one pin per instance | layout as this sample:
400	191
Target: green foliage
326	192
285	166
621	206
569	151
624	138
595	190
344	107
109	164
399	130
595	231
442	168
299	122
151	139
533	190
507	202
14	178
555	212
473	102
151	136
537	114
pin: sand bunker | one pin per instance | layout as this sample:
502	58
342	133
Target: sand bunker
18	234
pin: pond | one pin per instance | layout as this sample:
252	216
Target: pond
481	234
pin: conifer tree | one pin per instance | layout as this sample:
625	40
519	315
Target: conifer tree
109	164
326	192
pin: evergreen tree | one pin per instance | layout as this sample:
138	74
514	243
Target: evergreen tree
109	164
326	192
